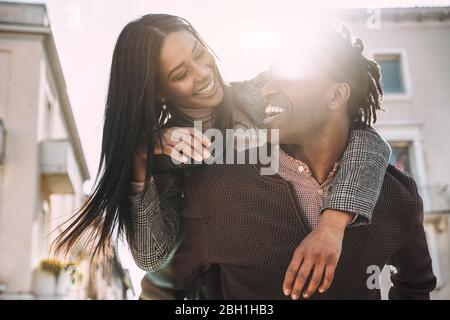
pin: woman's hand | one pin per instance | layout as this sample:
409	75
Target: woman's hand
318	254
179	143
182	143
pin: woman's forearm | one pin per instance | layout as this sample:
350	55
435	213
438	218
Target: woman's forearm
360	176
156	228
359	180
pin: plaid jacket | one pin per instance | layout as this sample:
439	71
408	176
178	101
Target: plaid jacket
156	210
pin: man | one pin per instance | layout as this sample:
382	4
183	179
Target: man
240	228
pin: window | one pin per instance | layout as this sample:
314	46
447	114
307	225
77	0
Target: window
392	73
405	139
400	157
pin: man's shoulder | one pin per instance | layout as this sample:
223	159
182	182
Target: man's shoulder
216	183
400	192
402	181
221	176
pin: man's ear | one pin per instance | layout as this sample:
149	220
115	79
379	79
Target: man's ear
339	95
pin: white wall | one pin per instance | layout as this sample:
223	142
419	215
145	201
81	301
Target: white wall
427	48
422	117
27	213
20	63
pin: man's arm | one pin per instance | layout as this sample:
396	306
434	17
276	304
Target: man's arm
413	277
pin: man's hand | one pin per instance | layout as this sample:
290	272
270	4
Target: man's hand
318	254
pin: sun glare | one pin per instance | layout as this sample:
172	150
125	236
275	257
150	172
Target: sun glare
284	46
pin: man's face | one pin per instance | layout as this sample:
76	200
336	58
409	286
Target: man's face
297	107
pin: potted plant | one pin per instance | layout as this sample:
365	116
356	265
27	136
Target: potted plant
53	278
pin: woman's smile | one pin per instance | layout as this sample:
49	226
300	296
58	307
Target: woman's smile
208	88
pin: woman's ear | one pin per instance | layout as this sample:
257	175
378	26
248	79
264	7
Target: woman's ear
160	93
339	95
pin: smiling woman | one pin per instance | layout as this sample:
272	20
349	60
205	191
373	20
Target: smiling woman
161	69
188	77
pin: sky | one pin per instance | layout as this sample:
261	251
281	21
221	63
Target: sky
242	34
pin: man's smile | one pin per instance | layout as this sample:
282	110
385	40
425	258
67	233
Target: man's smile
273	113
278	110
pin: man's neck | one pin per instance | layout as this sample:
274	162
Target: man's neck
321	150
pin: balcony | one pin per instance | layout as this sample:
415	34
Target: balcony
58	167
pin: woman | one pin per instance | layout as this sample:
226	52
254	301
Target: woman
163	77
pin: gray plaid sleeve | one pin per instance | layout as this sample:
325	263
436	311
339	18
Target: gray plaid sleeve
248	95
156	228
358	182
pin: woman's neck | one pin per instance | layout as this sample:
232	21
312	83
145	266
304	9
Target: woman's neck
205	115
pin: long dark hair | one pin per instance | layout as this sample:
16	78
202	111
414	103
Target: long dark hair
132	112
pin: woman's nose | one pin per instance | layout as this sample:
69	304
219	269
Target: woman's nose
203	73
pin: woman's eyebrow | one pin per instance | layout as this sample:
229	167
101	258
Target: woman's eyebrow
181	63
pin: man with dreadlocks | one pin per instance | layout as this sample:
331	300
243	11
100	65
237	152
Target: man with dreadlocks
241	229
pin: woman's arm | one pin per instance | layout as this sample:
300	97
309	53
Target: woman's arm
351	200
358	182
156	217
360	176
156	223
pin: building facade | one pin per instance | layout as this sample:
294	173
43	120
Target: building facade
412	46
42	166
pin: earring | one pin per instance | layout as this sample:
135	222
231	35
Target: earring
165	115
163	102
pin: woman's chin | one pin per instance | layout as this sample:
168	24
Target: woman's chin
210	102
218	97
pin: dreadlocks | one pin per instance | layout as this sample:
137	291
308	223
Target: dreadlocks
362	74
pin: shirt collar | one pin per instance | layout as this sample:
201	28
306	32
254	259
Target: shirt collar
299	167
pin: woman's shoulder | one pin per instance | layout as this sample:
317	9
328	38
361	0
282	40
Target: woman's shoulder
255	83
247	95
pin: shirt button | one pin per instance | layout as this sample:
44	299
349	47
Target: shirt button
301	169
320	191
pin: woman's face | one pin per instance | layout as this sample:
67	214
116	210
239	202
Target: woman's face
188	73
